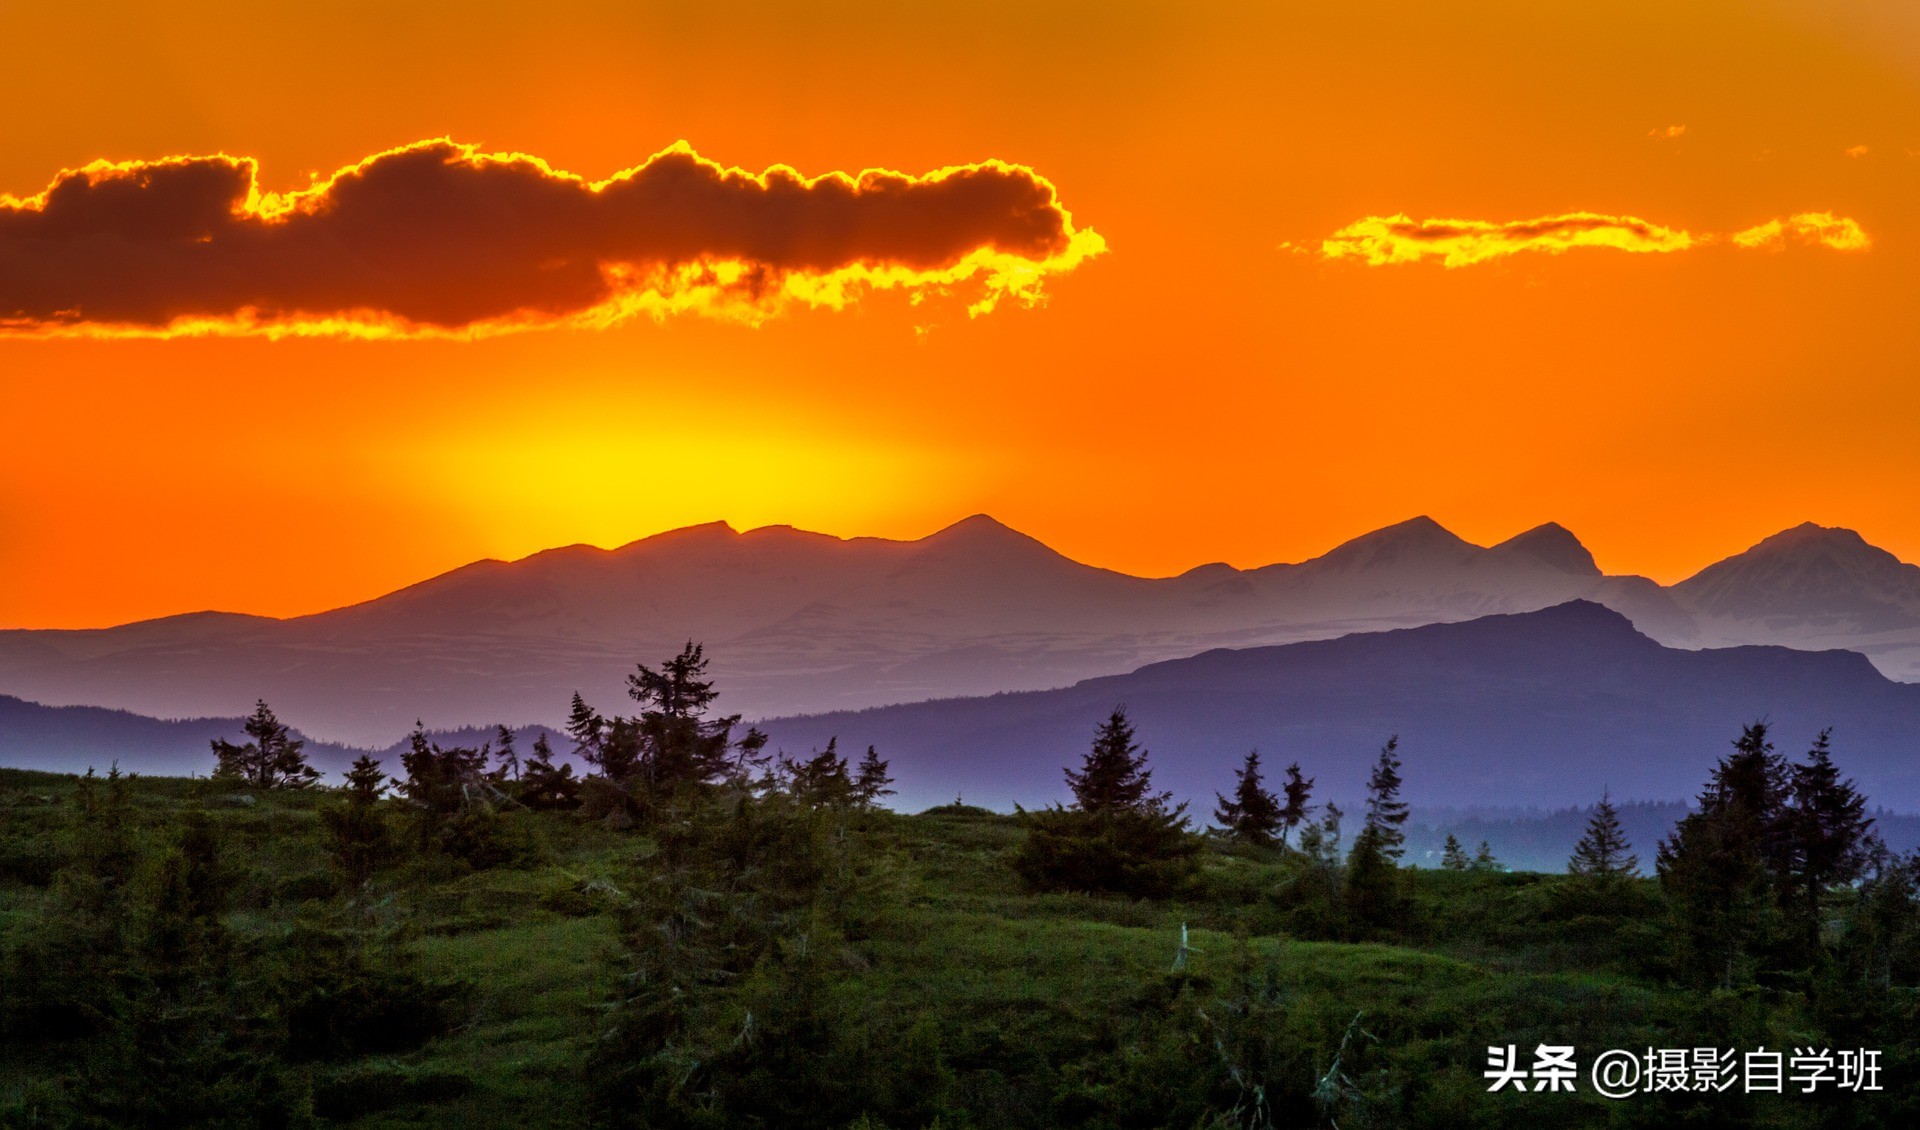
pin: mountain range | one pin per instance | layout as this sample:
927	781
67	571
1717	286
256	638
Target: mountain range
1541	708
804	622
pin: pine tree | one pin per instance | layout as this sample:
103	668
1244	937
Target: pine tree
1320	841
1385	811
584	726
1113	775
821	781
509	767
679	743
1753	788
749	757
1373	880
1323	880
1253	815
1118	835
359	838
1831	834
1295	812
441	779
546	786
672	744
1483	859
1604	853
273	759
871	781
1453	857
1723	866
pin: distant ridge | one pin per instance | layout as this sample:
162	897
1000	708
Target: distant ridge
73	739
1545	708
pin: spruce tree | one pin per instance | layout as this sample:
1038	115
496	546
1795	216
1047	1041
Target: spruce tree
1604	853
1385	810
1453	857
871	781
273	759
441	780
679	743
585	727
359	838
1831	834
1119	835
1253	814
1373	880
1298	790
546	786
509	767
1113	775
1722	867
1322	879
1483	859
1320	840
821	781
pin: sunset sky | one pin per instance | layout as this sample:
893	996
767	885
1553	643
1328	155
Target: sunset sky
1158	284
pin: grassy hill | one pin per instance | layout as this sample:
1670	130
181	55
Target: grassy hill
930	988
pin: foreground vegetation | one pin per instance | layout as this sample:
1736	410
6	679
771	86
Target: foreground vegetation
927	985
697	934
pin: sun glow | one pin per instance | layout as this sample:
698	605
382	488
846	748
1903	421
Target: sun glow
605	478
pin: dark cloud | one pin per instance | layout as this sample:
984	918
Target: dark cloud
439	237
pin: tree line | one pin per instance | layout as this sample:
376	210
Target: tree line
1747	878
1745	875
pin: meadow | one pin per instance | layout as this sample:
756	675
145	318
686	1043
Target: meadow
910	979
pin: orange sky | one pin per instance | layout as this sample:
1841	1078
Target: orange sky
1214	386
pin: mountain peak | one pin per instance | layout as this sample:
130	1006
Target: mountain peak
983	531
1810	572
1811	535
975	525
705	532
1556	545
1415	541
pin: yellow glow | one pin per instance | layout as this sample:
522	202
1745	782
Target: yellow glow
1383	240
1380	240
582	474
1823	228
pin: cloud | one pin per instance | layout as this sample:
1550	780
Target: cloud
1669	133
440	239
1857	150
1379	240
1383	240
1822	228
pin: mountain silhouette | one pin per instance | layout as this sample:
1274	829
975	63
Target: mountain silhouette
1548	707
796	621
